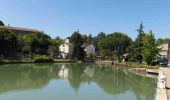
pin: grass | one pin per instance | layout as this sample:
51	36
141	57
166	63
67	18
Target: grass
136	65
42	59
21	60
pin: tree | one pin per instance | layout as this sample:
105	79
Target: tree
1	23
95	41
54	46
37	43
114	44
136	48
8	42
150	50
89	39
84	38
78	52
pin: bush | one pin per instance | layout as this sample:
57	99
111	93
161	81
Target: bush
43	59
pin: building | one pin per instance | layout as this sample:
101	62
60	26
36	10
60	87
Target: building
66	49
89	49
165	50
18	30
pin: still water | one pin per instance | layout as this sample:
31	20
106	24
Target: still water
72	82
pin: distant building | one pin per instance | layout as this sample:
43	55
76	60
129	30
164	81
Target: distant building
66	49
19	30
89	49
165	50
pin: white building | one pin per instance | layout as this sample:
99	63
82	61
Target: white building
89	49
165	50
66	49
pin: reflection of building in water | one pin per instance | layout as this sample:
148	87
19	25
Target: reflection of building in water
63	73
89	71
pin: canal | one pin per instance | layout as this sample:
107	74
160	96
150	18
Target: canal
73	82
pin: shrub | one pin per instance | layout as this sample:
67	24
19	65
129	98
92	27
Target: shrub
43	59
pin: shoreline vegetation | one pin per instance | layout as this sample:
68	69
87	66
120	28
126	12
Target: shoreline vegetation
23	46
46	59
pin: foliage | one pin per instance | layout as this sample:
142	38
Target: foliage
115	43
36	43
96	39
54	46
43	59
78	52
1	23
150	50
8	43
137	46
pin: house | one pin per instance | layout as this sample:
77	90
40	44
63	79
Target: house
66	49
19	30
89	49
165	50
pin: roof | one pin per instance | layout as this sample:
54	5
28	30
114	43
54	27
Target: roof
19	29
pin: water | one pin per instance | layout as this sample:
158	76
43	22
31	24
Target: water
72	82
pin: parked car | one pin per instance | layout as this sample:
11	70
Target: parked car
163	62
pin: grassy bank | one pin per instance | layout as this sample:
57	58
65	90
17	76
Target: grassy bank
135	65
21	60
36	59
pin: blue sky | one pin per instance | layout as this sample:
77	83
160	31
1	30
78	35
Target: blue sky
63	17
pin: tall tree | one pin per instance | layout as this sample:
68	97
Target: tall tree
150	50
1	23
139	42
78	52
89	39
8	42
136	48
54	46
95	41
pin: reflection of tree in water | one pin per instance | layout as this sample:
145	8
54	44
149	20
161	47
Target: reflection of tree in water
114	81
30	76
111	80
75	78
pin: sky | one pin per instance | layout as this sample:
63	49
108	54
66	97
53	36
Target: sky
63	17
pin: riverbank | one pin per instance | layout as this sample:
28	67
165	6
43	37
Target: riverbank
135	65
29	60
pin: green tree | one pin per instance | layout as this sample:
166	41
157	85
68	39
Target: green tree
37	43
78	52
1	23
8	43
89	39
135	50
54	46
95	41
114	44
150	50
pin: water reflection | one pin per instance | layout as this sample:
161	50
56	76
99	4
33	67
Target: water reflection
63	72
112	81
